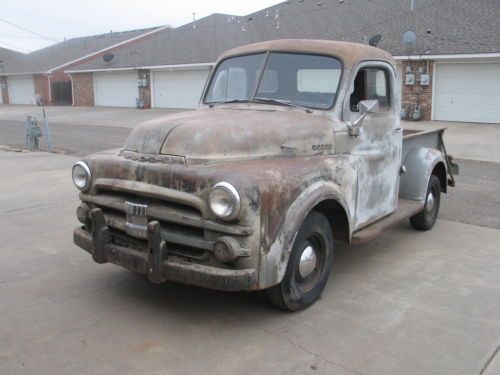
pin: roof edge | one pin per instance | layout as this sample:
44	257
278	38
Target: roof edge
110	47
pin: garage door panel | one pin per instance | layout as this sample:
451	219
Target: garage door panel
178	89
21	90
468	92
116	89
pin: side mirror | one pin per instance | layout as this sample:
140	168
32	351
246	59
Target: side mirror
368	106
365	107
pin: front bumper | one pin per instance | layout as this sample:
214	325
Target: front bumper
155	262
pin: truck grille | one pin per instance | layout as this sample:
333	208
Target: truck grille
185	228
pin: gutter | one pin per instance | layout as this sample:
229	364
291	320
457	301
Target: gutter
150	67
456	56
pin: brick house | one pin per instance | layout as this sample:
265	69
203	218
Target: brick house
39	75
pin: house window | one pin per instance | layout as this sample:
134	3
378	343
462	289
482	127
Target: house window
371	84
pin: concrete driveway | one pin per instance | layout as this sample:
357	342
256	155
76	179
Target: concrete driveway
407	303
87	116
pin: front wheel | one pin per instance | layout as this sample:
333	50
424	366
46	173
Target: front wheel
308	266
426	218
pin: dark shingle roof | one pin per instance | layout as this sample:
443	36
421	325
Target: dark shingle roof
58	54
457	26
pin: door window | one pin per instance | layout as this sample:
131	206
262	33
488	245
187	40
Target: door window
371	84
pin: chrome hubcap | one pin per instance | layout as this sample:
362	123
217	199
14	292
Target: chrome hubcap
308	261
431	201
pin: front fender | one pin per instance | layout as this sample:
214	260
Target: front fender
274	263
419	164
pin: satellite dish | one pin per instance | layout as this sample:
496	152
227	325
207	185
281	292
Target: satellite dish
108	57
375	40
409	39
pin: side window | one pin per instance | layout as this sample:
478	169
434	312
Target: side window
371	84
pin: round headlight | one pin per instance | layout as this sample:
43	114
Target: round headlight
81	175
225	201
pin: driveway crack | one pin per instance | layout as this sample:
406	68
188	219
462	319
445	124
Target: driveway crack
490	359
314	354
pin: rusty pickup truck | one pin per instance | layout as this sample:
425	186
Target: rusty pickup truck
297	143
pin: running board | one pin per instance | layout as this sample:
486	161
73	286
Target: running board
406	209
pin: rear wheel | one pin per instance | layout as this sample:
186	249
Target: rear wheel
308	266
426	218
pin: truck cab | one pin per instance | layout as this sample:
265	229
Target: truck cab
296	143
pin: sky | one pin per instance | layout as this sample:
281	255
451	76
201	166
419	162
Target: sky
54	20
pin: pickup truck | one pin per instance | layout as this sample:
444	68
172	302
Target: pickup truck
296	143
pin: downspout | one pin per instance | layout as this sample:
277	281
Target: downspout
72	91
50	89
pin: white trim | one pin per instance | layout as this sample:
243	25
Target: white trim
152	89
21	74
151	67
110	47
433	97
450	56
93	88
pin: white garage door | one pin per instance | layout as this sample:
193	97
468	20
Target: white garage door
178	89
21	90
467	92
115	89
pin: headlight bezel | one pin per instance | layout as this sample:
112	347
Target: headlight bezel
87	172
233	193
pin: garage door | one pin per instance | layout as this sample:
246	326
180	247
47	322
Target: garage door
115	89
467	92
21	90
178	89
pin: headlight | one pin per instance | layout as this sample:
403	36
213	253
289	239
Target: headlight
81	175
225	201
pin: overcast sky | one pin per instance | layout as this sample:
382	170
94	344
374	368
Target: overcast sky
59	19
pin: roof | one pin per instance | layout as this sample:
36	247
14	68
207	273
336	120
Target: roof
9	57
349	53
456	27
48	58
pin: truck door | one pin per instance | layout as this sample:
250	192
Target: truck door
377	149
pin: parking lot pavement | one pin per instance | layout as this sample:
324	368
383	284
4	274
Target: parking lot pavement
407	303
466	140
87	116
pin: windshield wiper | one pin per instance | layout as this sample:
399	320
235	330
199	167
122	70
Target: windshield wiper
281	102
229	101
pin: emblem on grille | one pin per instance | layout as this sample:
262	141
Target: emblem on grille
136	224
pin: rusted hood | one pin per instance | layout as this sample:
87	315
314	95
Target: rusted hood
224	134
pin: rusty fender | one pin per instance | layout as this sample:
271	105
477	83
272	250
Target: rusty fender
274	263
419	164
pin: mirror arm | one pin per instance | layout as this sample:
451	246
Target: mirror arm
355	125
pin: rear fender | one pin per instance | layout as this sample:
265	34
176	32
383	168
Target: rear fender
419	164
275	262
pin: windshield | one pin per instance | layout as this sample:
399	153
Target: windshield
289	79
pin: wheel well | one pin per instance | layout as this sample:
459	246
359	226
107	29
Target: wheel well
337	217
440	172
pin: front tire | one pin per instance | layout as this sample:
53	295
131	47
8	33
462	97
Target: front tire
308	266
426	218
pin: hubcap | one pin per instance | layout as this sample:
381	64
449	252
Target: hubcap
308	261
431	201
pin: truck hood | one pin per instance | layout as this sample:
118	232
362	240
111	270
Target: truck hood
216	135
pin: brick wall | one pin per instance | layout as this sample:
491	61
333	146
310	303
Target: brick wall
41	83
83	89
4	92
417	94
145	91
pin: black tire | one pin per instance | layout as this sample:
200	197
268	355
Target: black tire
296	292
426	218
